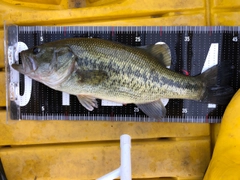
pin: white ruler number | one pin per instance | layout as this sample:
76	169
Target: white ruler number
212	57
187	38
110	103
184	110
65	99
21	100
211	60
235	39
136	109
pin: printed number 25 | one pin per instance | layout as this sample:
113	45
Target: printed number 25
187	38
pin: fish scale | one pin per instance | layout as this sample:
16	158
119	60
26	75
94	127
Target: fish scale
177	110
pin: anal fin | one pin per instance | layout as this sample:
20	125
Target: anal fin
154	109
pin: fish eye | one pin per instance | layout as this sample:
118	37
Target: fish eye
36	50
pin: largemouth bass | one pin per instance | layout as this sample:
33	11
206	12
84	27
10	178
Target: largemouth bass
99	69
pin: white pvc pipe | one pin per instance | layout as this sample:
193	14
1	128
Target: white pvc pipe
112	175
125	170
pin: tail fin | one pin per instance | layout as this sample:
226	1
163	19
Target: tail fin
215	81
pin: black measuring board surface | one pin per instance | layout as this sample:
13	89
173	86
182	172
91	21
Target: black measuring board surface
190	47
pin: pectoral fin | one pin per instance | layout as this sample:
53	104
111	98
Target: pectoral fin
161	51
88	102
153	109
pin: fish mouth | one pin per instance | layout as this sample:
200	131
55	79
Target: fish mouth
26	64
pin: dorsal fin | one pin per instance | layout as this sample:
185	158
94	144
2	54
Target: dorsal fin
161	51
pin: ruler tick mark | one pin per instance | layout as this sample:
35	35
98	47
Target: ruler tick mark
65	31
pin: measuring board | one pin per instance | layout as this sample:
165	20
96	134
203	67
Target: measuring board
193	50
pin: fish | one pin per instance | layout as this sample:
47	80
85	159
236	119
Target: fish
93	68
